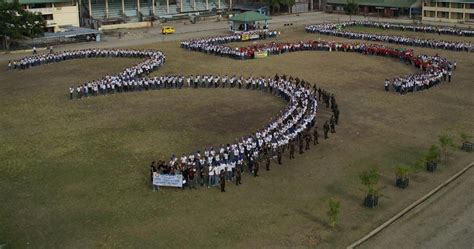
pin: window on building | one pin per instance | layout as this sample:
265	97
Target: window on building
457	16
39	5
429	13
457	5
443	4
443	14
48	17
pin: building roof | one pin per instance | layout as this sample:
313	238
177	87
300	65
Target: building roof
71	31
378	3
249	16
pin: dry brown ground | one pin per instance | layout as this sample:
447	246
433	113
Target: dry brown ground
74	174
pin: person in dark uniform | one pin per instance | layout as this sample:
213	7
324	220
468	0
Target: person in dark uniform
332	123
255	167
205	174
336	115
301	144
333	100
267	163
279	152
308	140
292	149
222	180
315	136
326	129
238	176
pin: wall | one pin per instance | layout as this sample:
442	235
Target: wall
131	25
448	12
66	15
62	15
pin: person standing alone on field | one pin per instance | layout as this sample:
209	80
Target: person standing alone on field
222	180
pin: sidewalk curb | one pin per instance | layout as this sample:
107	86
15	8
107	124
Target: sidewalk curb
411	207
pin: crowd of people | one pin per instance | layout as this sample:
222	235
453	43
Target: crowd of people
127	80
216	45
432	68
337	29
435	69
295	126
417	28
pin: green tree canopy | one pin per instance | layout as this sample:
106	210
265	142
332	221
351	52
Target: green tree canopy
17	23
276	4
351	8
369	179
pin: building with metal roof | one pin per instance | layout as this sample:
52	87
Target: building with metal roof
250	20
385	8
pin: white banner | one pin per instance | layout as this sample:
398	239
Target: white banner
168	180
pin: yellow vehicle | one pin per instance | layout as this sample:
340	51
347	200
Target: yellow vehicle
167	30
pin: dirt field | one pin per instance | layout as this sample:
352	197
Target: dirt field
74	173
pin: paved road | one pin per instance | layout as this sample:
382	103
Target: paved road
445	221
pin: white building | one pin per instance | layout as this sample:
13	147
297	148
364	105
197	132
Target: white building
57	13
454	11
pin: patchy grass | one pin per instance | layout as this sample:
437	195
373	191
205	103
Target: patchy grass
75	173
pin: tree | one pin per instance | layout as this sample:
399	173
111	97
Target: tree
369	179
465	138
446	143
272	4
333	212
288	3
466	141
17	23
351	8
402	176
433	154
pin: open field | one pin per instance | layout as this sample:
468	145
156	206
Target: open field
75	173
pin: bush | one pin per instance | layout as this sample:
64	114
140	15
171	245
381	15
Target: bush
333	212
446	143
433	154
465	138
369	179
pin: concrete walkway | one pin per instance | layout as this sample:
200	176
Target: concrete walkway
437	223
